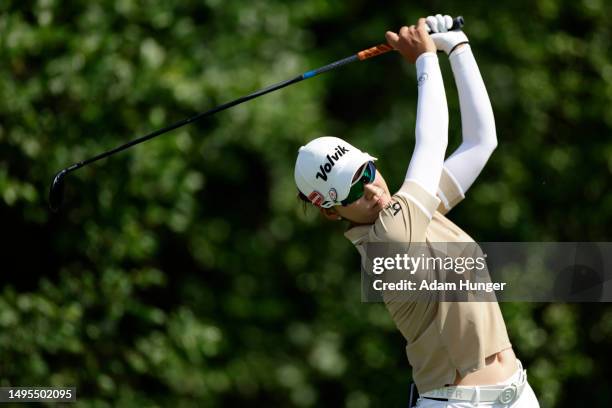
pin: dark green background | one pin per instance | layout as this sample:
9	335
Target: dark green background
184	272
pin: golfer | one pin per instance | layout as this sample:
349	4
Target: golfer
459	351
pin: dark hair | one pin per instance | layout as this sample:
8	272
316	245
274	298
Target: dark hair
304	200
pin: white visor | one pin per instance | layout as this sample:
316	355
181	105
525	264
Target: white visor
325	168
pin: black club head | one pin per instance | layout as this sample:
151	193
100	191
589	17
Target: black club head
56	193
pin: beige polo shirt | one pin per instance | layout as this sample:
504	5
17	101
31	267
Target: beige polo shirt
443	338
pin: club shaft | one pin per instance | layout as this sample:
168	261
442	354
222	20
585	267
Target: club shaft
214	110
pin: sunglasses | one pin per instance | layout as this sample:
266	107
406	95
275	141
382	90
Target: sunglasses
367	176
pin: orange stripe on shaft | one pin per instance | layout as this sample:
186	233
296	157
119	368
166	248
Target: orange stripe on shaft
374	51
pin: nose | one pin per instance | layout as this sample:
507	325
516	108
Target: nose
371	192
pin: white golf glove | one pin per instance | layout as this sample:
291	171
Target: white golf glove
444	39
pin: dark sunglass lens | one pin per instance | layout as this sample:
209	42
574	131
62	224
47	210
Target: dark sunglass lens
369	174
372	171
356	191
354	194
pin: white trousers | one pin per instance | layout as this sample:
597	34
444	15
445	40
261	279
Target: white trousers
527	399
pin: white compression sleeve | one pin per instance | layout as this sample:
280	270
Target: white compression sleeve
477	121
431	125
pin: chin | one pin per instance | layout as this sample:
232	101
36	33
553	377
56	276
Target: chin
372	218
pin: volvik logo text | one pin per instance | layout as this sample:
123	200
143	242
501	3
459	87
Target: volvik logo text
331	162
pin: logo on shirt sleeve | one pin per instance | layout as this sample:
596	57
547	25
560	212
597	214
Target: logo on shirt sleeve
395	207
422	79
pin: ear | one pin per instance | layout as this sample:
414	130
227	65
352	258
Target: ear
330	213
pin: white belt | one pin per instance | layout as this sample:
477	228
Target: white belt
505	394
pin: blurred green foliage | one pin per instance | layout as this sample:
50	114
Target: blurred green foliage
184	273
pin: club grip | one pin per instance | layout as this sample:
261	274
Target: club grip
380	49
374	51
458	23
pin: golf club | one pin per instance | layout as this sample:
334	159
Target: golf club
56	193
